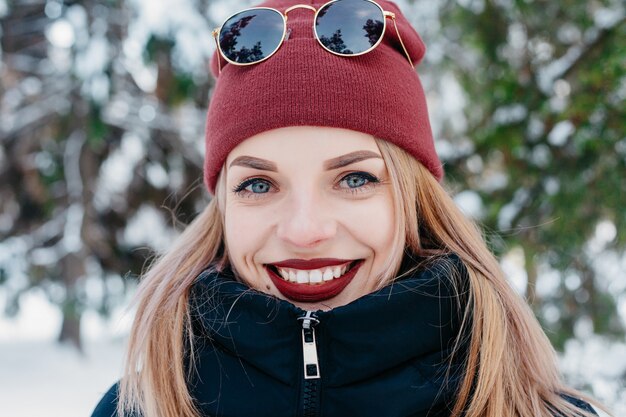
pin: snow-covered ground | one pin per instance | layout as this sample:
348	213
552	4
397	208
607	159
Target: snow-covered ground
42	378
45	379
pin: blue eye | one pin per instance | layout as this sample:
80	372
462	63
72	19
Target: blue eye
259	187
357	180
353	182
253	186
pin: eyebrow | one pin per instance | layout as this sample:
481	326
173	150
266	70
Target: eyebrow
256	163
349	158
334	163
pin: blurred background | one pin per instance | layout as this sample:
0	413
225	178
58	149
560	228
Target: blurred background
102	107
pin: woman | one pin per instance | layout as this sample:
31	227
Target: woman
331	274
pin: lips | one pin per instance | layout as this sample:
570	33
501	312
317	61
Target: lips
312	280
311	263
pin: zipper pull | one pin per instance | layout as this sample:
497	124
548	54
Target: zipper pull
309	347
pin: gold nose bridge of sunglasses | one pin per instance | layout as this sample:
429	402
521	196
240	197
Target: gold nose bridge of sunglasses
295	6
386	14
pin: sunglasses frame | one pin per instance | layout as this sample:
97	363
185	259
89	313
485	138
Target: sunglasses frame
385	14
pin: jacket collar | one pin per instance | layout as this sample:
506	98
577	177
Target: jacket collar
415	319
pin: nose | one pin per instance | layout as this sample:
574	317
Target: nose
305	221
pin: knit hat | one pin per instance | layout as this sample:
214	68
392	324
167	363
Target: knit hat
302	84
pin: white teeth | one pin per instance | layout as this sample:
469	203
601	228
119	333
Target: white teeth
314	276
302	277
328	274
337	271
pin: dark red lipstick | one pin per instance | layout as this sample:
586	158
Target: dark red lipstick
312	292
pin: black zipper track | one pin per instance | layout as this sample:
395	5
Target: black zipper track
311	383
311	396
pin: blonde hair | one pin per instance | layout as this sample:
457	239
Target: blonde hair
510	368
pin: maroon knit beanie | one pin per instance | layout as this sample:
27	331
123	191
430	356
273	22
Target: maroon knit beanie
302	84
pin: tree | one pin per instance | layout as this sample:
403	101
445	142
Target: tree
96	136
544	144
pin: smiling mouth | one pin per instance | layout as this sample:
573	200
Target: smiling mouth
313	276
313	285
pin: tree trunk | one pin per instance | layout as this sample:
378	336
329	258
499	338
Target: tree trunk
70	330
73	271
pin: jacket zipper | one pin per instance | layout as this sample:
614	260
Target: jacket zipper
311	383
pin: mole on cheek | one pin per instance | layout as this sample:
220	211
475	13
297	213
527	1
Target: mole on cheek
268	287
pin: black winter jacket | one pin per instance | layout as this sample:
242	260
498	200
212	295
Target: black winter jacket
384	354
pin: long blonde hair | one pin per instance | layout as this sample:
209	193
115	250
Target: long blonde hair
510	365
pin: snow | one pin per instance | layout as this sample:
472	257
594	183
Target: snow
561	132
606	18
455	101
555	69
61	34
116	172
562	88
147	113
494	181
517	36
189	28
41	378
508	212
157	175
513	267
601	364
475	164
147	228
510	114
551	185
541	155
144	74
14	262
94	59
53	9
569	33
470	203
475	6
4	8
604	234
31	86
548	281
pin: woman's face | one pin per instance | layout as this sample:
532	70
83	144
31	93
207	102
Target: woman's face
309	214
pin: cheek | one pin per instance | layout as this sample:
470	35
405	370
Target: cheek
372	222
245	230
245	233
238	234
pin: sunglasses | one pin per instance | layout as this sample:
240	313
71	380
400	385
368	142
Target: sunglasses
342	27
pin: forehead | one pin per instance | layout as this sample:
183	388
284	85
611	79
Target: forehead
303	142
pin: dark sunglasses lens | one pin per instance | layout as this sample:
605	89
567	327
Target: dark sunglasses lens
349	27
251	35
